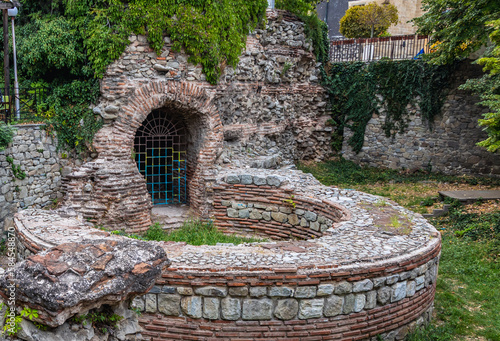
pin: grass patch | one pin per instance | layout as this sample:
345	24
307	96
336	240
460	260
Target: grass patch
193	232
416	191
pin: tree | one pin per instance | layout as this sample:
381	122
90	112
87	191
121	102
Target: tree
488	89
459	28
368	20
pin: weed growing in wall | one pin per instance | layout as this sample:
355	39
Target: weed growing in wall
6	135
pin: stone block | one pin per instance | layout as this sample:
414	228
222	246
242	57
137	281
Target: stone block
150	303
333	306
410	288
243	214
186	291
169	304
309	309
343	288
293	219
168	290
325	289
191	306
211	308
310	216
266	215
359	302
211	291
273	180
259	180
383	295
349	302
279	217
314	225
378	282
419	282
305	292
286	309
232	179
255	215
398	291
258	291
365	285
392	279
246	179
230	308
238	291
371	299
257	309
280	292
232	213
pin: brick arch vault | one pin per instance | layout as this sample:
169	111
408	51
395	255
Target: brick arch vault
110	191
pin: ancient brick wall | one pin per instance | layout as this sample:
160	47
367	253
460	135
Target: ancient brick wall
266	112
449	147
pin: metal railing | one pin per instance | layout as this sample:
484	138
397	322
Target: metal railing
373	49
22	105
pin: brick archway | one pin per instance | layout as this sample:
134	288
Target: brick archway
119	197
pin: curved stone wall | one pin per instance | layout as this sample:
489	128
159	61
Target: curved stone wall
357	278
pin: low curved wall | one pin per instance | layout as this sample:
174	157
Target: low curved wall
357	279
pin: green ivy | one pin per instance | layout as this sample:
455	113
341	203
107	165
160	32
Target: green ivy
6	135
358	90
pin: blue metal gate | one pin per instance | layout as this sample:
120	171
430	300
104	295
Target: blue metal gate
160	153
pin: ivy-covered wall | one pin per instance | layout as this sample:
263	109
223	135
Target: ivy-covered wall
449	147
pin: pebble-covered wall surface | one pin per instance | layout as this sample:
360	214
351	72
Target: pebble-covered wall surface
38	180
449	147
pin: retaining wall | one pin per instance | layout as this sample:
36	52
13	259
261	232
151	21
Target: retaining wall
35	152
449	147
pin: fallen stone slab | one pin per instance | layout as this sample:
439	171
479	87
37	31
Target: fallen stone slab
465	196
73	278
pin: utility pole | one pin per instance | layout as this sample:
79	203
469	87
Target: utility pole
5	6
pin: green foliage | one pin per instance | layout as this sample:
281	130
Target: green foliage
457	27
17	172
353	89
103	319
368	21
195	232
488	89
13	329
6	135
50	46
70	116
344	173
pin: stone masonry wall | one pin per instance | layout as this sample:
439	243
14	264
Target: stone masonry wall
265	113
36	152
450	147
247	204
283	304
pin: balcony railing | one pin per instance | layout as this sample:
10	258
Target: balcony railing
373	49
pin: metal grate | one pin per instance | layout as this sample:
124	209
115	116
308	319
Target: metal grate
160	153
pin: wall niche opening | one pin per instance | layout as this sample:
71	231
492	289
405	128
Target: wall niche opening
160	148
